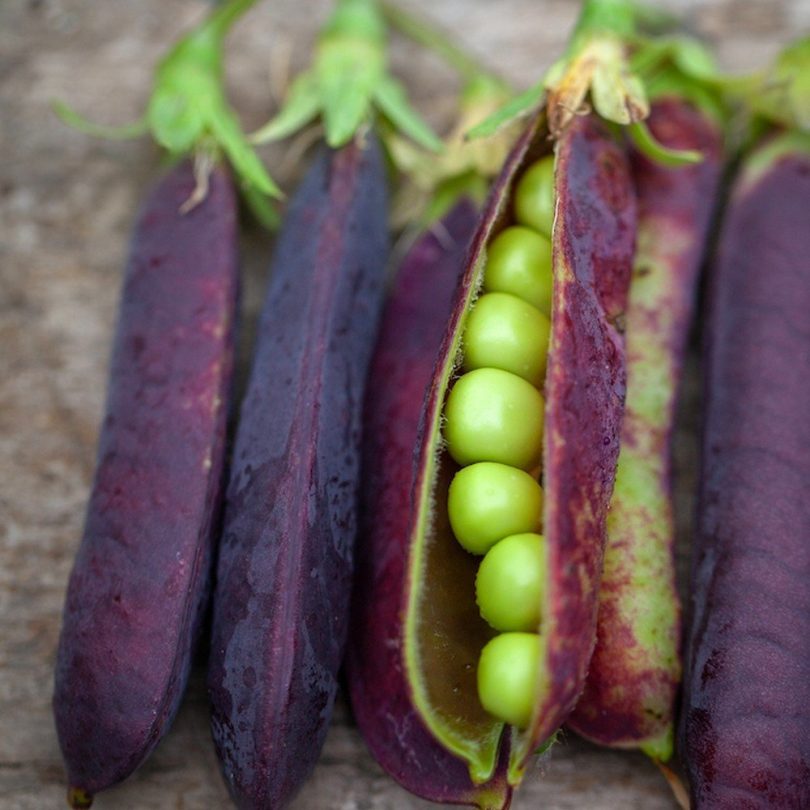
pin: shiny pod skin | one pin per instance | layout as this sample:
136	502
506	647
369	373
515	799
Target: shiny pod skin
284	572
747	688
417	599
635	672
140	581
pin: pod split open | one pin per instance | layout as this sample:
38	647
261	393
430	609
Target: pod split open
418	634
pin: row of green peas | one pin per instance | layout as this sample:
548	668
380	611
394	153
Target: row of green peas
494	430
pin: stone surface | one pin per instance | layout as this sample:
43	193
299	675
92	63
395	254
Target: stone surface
67	202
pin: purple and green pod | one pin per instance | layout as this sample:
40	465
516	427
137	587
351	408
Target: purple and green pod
284	573
635	672
139	584
416	609
747	688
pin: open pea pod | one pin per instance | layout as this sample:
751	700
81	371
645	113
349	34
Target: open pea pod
418	633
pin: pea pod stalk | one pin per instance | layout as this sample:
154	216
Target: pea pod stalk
140	582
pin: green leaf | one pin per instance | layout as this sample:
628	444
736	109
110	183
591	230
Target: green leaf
646	143
393	102
123	133
301	106
518	107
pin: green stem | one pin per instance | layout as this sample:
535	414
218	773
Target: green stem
226	15
616	17
433	39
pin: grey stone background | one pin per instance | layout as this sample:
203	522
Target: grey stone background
67	202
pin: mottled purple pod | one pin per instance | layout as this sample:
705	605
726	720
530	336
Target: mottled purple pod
285	566
746	720
416	608
635	672
139	585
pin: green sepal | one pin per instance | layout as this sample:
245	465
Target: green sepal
347	83
77	121
644	141
188	103
596	63
301	107
348	71
618	95
261	208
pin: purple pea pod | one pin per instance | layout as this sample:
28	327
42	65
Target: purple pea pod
139	585
285	566
746	722
418	633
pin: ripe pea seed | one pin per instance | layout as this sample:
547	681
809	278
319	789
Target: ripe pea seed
507	333
488	501
511	582
519	262
534	196
507	677
493	415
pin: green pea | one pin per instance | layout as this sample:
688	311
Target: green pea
534	196
519	262
508	676
489	501
507	333
493	415
511	581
